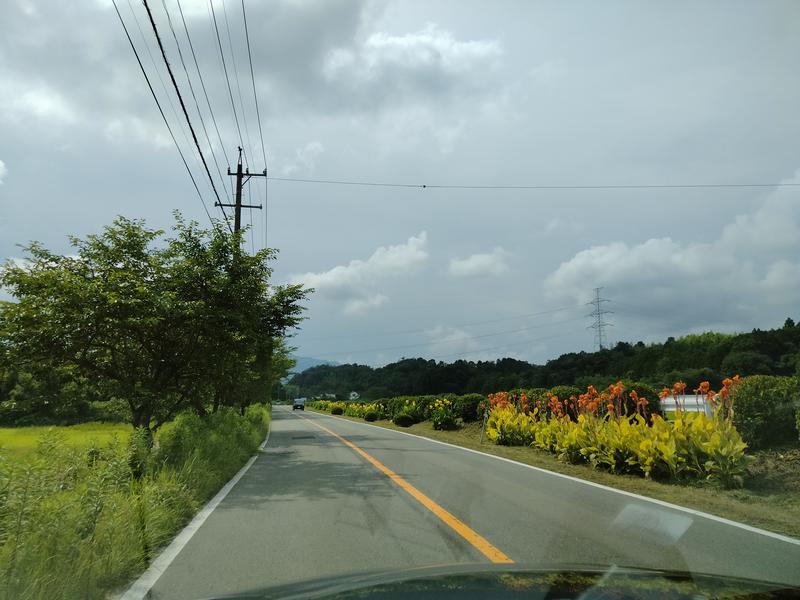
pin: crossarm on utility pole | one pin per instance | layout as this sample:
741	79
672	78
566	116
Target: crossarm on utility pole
240	181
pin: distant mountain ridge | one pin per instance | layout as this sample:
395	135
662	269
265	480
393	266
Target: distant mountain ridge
692	359
306	362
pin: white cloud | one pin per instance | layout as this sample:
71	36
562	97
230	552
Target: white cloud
478	265
430	48
721	282
360	305
559	225
426	61
3	171
355	282
43	103
305	159
447	341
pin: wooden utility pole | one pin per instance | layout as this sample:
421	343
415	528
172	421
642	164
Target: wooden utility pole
241	179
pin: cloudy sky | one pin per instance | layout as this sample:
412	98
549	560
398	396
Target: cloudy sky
439	92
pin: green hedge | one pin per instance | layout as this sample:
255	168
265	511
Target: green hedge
764	410
403	420
467	406
645	391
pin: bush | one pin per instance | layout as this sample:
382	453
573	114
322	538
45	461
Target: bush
371	415
323	405
764	409
466	406
403	420
695	447
443	415
355	409
565	391
507	426
337	410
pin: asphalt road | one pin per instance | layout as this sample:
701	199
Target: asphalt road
311	506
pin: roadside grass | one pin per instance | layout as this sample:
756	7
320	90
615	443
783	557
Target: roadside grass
770	498
18	442
80	519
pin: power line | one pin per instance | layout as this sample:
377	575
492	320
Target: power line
258	118
167	95
194	96
191	88
202	82
236	75
180	99
253	79
472	324
163	116
225	71
425	186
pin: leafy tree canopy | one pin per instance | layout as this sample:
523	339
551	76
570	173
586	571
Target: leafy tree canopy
164	323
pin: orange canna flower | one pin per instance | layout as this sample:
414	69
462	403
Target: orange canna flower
702	388
663	393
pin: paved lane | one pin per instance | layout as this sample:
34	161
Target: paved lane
310	507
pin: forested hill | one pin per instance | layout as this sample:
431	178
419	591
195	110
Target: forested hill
707	356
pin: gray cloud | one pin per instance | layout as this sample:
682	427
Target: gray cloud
724	281
440	92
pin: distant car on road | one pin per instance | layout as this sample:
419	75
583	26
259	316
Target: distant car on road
299	403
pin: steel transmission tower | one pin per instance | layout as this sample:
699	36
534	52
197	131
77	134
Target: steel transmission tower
600	323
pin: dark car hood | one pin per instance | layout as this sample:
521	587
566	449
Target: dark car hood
479	581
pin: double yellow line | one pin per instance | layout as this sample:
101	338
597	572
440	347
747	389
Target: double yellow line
473	537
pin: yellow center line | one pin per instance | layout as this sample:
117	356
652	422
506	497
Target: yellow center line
457	525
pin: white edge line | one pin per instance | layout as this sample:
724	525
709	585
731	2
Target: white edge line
691	511
140	588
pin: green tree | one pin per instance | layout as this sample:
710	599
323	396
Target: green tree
746	362
190	321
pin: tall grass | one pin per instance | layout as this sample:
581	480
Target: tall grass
79	522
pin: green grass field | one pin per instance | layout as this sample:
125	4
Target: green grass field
20	441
